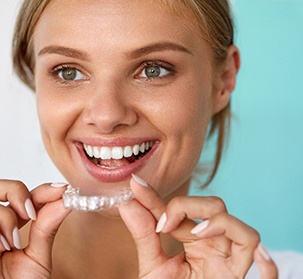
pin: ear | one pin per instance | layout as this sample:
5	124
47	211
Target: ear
226	80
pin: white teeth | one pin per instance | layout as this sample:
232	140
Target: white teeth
128	152
96	152
105	153
117	152
136	149
89	150
142	147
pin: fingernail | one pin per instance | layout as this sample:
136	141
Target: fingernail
30	210
59	184
139	180
16	238
200	227
5	243
263	252
161	223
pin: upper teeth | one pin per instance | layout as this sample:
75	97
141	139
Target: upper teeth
116	152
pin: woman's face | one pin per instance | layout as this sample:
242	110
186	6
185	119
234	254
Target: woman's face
116	77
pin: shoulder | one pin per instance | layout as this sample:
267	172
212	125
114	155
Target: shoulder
289	263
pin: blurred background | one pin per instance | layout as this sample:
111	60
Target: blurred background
261	175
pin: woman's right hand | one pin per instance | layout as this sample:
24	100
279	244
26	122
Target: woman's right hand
44	206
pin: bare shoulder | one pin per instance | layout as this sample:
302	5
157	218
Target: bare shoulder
289	263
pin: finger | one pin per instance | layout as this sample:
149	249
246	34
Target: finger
4	245
266	266
180	208
9	227
147	196
18	196
141	225
244	239
150	199
17	213
47	192
43	230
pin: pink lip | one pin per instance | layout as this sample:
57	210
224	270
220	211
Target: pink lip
114	175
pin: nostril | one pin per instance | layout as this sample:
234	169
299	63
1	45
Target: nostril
109	112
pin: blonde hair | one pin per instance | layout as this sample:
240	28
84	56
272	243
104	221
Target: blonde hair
213	18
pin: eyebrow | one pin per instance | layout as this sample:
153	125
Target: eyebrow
161	46
78	54
65	51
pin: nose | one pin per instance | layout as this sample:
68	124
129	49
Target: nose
108	109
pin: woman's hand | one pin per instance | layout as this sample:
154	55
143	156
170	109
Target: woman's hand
219	247
44	206
266	266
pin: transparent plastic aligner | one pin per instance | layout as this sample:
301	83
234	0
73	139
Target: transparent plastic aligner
73	200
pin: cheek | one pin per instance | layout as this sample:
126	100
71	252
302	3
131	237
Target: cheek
49	115
55	114
191	122
185	113
183	120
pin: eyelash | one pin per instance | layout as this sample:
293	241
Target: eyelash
164	66
55	72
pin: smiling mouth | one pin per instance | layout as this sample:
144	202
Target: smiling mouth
117	156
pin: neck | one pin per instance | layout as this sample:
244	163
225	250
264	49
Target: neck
89	245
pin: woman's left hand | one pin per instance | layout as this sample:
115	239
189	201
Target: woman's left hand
221	246
266	266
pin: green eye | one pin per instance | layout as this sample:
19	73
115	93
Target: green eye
71	74
152	71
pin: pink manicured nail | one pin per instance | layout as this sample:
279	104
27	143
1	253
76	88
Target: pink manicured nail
16	238
30	210
200	227
59	184
5	243
263	252
161	223
139	180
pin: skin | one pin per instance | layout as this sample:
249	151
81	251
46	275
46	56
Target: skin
111	103
113	106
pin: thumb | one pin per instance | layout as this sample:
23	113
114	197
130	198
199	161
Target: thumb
266	266
49	219
141	225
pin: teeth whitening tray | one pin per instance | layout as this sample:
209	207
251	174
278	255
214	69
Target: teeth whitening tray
73	200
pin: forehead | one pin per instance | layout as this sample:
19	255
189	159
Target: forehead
117	7
118	22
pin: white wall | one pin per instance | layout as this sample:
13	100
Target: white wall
22	154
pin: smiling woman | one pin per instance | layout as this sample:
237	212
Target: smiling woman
117	102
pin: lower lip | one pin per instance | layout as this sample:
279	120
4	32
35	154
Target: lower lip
114	175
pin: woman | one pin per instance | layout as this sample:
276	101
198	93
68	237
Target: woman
127	89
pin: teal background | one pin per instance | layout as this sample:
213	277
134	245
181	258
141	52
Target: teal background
261	175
